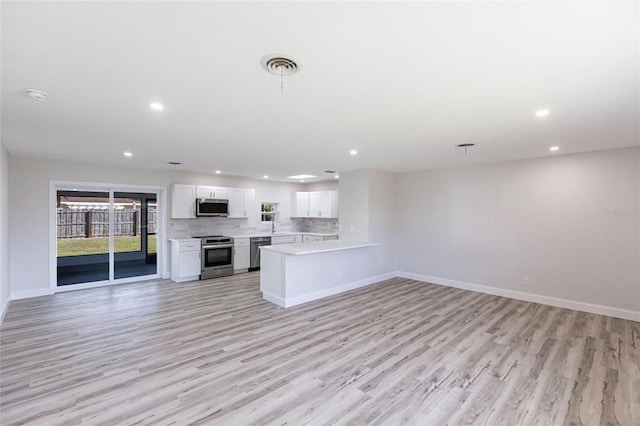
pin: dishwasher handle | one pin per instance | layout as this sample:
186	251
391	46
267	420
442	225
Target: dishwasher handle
261	240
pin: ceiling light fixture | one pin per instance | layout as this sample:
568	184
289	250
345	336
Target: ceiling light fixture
128	154
35	94
336	176
353	152
542	113
218	172
282	65
301	177
554	148
266	176
156	106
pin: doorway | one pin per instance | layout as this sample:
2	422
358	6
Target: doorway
106	236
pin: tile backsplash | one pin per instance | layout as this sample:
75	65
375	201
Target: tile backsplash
185	228
310	224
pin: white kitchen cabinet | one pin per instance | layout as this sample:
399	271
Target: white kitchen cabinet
302	204
215	192
249	202
283	239
241	202
241	258
298	238
317	204
236	202
183	201
185	260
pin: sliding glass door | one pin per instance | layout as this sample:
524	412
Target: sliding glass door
82	237
135	223
104	237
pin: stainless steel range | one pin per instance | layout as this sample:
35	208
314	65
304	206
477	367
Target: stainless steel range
217	256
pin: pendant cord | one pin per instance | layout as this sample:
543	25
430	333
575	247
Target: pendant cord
281	84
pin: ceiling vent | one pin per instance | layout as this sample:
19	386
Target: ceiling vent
281	65
36	95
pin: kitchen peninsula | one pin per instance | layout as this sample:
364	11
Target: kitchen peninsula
291	274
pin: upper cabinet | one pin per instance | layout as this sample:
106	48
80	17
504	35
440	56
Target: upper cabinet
241	202
322	204
183	201
302	204
212	192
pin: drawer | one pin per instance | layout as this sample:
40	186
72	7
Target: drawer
241	242
190	246
287	239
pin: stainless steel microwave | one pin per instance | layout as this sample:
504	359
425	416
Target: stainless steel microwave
212	207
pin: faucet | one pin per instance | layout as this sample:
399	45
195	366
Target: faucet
273	227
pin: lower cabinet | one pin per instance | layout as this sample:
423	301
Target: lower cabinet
283	239
185	260
241	258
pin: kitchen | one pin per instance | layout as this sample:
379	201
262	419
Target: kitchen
238	226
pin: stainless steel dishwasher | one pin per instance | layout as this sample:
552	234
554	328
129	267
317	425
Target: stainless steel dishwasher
254	253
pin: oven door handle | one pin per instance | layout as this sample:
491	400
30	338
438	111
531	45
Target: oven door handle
218	246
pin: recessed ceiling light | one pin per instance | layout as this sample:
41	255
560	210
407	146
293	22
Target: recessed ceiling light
128	154
218	172
542	112
302	180
353	152
156	106
336	176
301	177
266	176
554	148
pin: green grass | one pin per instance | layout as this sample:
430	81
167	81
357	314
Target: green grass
80	246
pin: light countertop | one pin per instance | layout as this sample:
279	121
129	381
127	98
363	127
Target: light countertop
185	240
284	234
298	249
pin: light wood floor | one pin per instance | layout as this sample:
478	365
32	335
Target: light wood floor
397	352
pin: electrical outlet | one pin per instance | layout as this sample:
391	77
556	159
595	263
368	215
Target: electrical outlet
525	281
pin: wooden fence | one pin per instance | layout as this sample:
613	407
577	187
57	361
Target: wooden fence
95	223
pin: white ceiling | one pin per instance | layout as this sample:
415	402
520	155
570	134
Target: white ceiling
401	82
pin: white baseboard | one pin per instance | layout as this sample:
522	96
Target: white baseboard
274	299
298	300
528	297
37	292
4	308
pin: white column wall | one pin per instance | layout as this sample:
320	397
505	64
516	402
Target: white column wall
4	230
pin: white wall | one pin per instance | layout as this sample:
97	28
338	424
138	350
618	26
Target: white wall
29	213
569	223
325	185
4	230
353	206
383	219
368	212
